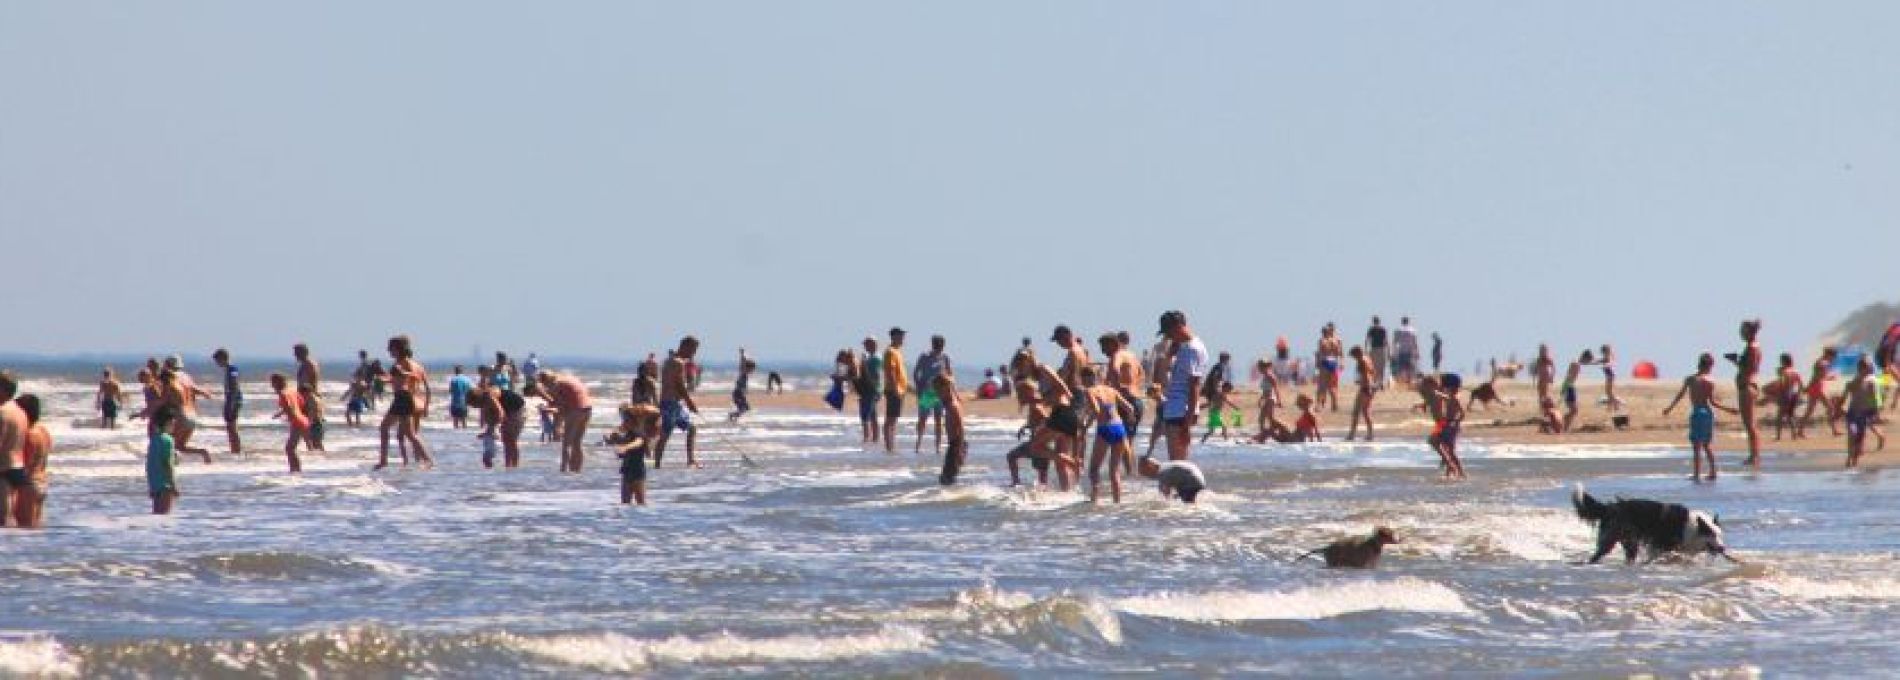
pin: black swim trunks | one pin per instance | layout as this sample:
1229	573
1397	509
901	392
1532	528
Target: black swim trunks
1064	419
402	404
633	466
893	406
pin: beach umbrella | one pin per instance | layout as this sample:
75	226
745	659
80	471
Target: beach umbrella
1644	370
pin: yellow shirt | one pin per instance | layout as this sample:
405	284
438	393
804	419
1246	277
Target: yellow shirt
899	383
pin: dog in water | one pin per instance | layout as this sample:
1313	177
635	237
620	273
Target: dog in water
1661	527
1360	553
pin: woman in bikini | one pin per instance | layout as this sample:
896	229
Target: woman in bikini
1327	368
1608	362
1747	364
406	378
1106	404
1362	401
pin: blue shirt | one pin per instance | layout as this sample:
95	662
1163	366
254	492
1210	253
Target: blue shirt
458	391
1190	362
232	393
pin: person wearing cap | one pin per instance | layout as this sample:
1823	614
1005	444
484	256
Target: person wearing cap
896	387
1180	402
930	401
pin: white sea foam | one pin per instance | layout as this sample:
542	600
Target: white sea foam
618	653
34	654
1312	603
1850	589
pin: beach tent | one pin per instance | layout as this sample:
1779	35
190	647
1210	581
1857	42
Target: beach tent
1644	370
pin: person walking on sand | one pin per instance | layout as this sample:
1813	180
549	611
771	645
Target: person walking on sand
1700	388
1822	371
1747	365
1180	403
407	377
1405	351
1362	399
110	397
929	400
677	407
1377	350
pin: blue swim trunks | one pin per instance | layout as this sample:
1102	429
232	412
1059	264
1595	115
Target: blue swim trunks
674	416
1113	433
1701	425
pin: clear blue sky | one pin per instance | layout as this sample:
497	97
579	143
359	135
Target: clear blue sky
596	178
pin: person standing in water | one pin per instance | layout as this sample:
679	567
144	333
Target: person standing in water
290	407
111	396
459	387
30	505
1438	351
161	462
1327	360
676	403
1608	362
407	377
1181	399
1362	399
1817	394
1405	351
1377	352
182	393
575	408
1747	365
870	384
930	400
741	405
1126	376
233	398
896	387
13	429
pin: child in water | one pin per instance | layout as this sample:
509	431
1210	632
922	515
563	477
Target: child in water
161	462
1700	388
1217	410
642	425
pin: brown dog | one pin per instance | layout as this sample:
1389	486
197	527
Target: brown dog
1356	553
1487	394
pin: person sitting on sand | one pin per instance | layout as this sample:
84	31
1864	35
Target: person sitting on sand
1177	478
1700	388
1305	428
1549	421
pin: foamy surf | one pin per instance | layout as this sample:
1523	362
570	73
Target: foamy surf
1313	603
34	654
618	653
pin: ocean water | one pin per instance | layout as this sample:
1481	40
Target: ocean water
798	552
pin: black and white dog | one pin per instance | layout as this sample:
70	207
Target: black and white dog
1661	527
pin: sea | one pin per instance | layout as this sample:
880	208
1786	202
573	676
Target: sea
799	552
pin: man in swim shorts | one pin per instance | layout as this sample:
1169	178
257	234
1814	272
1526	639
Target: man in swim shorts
929	400
896	386
13	429
676	403
1700	389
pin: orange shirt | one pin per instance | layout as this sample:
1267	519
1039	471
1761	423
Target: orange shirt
292	404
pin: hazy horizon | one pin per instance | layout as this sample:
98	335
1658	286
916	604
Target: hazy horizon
596	179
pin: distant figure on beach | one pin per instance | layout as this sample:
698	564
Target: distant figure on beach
233	398
1608	363
485	401
1362	398
929	400
1438	351
1180	403
312	409
108	400
1862	406
1178	478
290	407
643	424
1381	355
1700	388
677	408
1570	387
406	377
1328	362
870	385
503	374
1269	395
774	383
161	461
1786	393
1405	351
1820	373
1448	426
1747	365
741	403
366	371
355	403
531	369
1543	373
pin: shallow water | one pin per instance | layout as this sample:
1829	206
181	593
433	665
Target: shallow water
823	558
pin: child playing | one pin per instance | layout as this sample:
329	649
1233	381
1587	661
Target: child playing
1550	422
1447	428
1305	429
1700	388
1817	394
1570	387
486	400
1218	406
953	456
161	462
643	425
290	408
1861	404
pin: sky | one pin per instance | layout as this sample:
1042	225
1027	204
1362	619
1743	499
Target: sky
598	178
